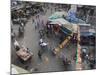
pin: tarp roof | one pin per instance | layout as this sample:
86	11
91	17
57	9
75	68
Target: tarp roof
56	15
62	22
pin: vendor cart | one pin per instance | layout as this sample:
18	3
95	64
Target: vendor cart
24	54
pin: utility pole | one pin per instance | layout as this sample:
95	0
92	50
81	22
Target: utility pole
78	60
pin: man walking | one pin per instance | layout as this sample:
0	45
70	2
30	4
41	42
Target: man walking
35	23
40	54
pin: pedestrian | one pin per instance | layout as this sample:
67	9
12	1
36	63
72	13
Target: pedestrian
35	23
28	50
92	62
39	54
40	41
51	10
55	8
16	45
41	33
44	46
42	23
64	58
13	36
21	30
38	24
68	65
22	24
33	20
48	30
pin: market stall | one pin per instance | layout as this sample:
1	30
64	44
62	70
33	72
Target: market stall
65	29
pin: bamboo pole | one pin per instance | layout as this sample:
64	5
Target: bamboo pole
78	60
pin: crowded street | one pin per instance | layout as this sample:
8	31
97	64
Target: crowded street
38	47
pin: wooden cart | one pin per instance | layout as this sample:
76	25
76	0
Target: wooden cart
24	54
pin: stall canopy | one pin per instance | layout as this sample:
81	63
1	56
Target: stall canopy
86	34
62	22
56	15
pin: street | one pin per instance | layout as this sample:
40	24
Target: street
47	62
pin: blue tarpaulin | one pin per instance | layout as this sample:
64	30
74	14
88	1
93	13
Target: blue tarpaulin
72	17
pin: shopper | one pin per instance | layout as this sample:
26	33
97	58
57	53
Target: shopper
16	45
35	23
39	54
33	20
38	21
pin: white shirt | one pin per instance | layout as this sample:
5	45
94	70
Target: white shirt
41	40
44	44
16	43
